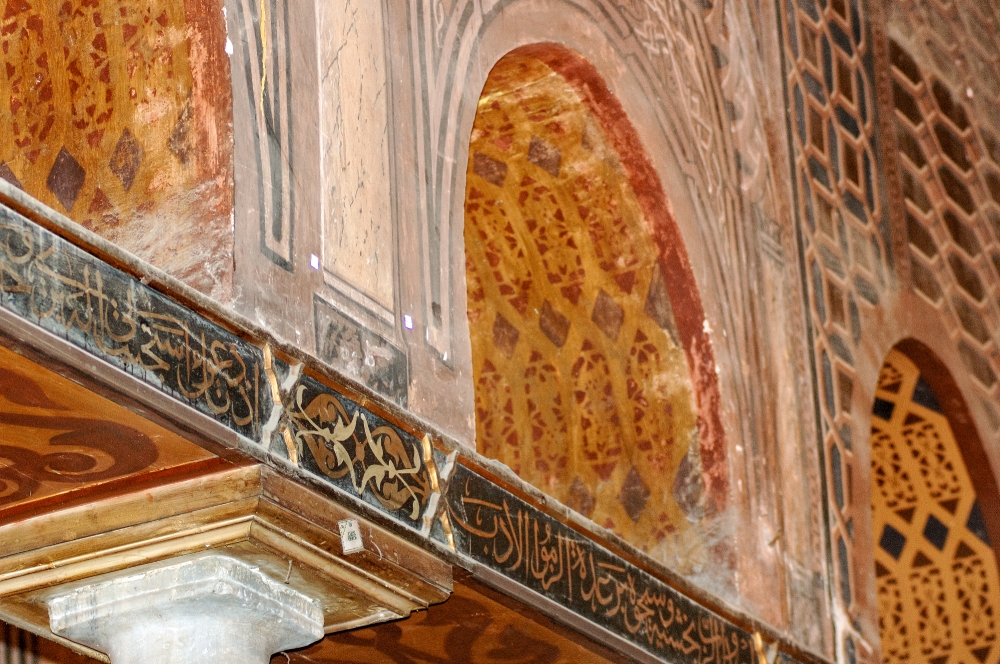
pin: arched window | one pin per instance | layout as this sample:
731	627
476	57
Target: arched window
936	572
585	323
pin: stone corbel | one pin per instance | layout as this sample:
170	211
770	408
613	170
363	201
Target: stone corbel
247	514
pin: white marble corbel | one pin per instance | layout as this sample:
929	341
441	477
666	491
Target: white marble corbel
206	608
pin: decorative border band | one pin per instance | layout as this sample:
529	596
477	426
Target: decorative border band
50	282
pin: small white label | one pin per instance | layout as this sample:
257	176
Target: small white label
314	261
408	321
350	536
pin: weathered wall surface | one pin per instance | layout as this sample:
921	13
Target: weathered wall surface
827	214
354	142
118	115
890	112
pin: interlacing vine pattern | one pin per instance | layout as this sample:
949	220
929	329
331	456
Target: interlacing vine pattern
375	462
936	572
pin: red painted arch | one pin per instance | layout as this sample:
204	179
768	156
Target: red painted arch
675	265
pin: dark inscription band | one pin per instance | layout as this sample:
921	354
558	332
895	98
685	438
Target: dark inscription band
107	313
506	534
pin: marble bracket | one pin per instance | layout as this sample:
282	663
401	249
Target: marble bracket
198	609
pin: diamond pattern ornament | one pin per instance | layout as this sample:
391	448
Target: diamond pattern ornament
634	494
505	336
66	178
489	169
936	532
608	315
126	159
180	143
580	498
553	324
7	174
546	157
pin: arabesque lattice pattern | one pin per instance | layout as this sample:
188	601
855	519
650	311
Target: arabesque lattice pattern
948	133
936	572
582	386
843	230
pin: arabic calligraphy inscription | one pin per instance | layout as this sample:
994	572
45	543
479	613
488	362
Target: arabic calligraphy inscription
506	534
108	313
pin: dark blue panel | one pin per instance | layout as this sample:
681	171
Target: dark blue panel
831	406
836	467
842	235
809	7
862	97
800	114
883	409
814	87
807	194
865	289
834	151
840	38
827	63
819	173
869	186
892	541
847	121
831	261
847	435
856	23
845	571
855	318
856	207
977	524
924	395
818	291
936	532
868	64
841	349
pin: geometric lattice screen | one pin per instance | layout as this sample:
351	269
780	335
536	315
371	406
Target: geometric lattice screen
936	573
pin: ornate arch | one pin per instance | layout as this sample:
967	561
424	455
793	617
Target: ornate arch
594	372
934	516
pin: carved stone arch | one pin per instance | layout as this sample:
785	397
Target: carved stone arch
654	65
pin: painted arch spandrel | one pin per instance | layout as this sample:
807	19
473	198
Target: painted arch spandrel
582	385
118	115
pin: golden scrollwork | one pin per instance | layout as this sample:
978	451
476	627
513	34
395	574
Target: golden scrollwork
347	448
